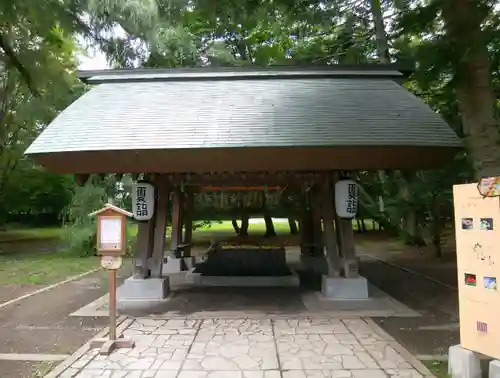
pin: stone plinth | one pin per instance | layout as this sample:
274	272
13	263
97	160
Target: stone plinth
344	288
147	289
173	265
463	363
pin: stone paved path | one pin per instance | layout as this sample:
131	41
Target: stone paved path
252	348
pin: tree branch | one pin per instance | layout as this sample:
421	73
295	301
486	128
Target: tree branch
14	60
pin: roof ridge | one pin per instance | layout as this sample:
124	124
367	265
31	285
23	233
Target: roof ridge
241	73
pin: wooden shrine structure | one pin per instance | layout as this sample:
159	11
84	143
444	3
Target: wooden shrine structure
188	129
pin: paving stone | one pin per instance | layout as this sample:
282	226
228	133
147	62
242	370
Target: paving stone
166	374
369	373
387	357
69	373
309	326
321	352
232	352
317	374
240	326
248	348
403	373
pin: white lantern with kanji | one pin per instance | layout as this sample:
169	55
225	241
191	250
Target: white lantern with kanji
346	199
143	201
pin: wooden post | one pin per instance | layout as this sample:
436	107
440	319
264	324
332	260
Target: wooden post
175	239
112	304
330	238
317	232
141	269
305	226
160	226
151	240
347	233
111	244
338	220
188	222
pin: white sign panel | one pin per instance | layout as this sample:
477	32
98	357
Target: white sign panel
346	199
110	236
143	201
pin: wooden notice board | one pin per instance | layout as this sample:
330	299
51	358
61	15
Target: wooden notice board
477	225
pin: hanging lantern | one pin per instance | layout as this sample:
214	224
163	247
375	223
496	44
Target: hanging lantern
346	199
143	195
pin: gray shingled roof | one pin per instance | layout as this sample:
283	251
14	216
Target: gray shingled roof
161	112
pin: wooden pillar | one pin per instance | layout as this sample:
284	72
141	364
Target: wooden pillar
141	269
160	225
317	231
347	236
188	221
338	230
176	236
330	238
306	227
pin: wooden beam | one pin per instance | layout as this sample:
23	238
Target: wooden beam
246	178
232	188
161	184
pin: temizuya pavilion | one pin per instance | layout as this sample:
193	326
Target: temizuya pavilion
244	126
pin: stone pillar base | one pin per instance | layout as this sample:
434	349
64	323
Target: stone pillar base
173	265
463	363
494	369
147	289
344	288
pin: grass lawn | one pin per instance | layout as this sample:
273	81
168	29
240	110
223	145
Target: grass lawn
42	269
438	368
30	234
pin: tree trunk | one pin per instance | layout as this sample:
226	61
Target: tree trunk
363	226
436	227
236	228
476	99
270	232
380	34
384	58
244	224
293	226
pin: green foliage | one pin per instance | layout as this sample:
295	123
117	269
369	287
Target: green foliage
37	80
80	229
34	196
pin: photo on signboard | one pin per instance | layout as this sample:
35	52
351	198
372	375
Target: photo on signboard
490	283
486	224
467	223
470	279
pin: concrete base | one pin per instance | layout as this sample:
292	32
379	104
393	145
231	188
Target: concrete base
463	363
149	289
494	370
173	265
344	288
